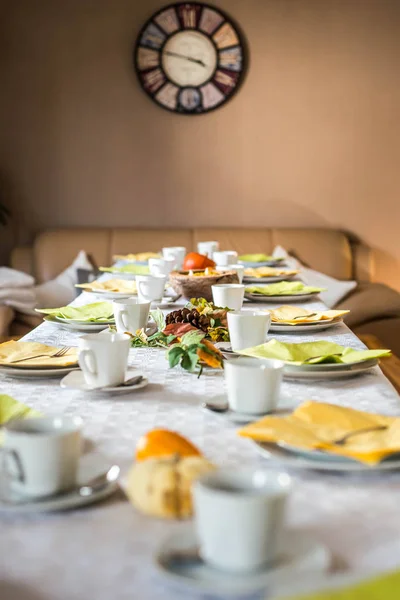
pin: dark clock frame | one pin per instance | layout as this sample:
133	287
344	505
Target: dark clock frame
242	43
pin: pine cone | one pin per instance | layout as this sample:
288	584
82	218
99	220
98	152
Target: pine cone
189	316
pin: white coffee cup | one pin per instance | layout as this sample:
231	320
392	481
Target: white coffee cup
150	288
248	328
228	295
161	266
225	258
207	248
253	384
131	314
41	455
103	358
177	253
239	270
240	517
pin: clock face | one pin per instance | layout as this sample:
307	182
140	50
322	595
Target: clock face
189	58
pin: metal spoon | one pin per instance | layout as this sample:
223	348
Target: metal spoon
128	383
216	407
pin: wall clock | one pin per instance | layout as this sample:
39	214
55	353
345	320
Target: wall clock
189	58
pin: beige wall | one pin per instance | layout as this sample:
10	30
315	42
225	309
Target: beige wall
312	138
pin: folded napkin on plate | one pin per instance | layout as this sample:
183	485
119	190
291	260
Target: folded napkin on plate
97	312
111	285
258	258
10	408
315	425
140	257
130	269
13	351
384	587
293	315
269	272
312	352
282	288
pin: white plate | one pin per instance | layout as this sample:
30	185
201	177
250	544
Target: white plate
299	554
111	295
76	381
289	458
23	373
265	263
327	370
77	326
291	298
90	465
320	326
273	279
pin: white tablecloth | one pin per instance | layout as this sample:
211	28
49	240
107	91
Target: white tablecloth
105	551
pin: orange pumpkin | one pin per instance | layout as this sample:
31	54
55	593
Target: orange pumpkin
193	260
163	442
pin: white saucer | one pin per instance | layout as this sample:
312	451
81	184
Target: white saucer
284	405
300	554
328	370
305	327
289	457
76	381
90	465
272	279
23	373
275	299
88	327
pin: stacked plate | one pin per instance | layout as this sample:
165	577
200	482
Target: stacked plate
272	279
74	325
279	298
283	327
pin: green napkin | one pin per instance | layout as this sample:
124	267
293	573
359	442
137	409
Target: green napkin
130	269
385	587
283	288
319	352
97	312
10	408
258	258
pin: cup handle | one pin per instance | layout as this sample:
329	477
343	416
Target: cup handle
87	362
120	320
139	286
9	456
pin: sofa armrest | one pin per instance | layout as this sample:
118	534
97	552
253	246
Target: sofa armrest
22	259
7	315
363	264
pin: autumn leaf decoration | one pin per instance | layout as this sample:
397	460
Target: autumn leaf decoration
193	352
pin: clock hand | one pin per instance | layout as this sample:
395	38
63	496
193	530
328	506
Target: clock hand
195	60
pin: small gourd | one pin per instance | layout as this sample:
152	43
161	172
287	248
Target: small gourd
163	442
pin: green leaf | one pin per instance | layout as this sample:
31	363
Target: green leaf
174	355
212	322
158	318
189	361
192	337
169	339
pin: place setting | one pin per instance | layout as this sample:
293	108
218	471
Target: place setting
44	468
268	274
283	291
293	319
110	289
255	261
33	360
92	317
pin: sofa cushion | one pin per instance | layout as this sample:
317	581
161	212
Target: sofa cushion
386	330
369	302
131	240
244	240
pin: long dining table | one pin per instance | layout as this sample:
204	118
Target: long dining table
105	551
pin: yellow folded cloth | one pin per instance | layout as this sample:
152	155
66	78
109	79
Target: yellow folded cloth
111	285
293	315
312	352
385	587
130	269
10	408
316	425
258	258
140	257
269	272
13	351
283	288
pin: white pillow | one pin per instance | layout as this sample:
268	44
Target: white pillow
61	290
11	278
336	289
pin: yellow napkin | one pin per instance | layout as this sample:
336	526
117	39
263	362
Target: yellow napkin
111	285
283	288
97	312
140	257
269	272
130	269
258	258
12	351
312	352
315	425
386	587
10	408
293	315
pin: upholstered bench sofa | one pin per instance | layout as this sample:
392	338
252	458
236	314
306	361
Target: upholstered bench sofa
375	308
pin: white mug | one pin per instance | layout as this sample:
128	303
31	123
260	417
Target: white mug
240	517
41	455
253	384
103	358
161	266
177	253
150	288
131	314
225	258
207	248
239	270
229	295
248	328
